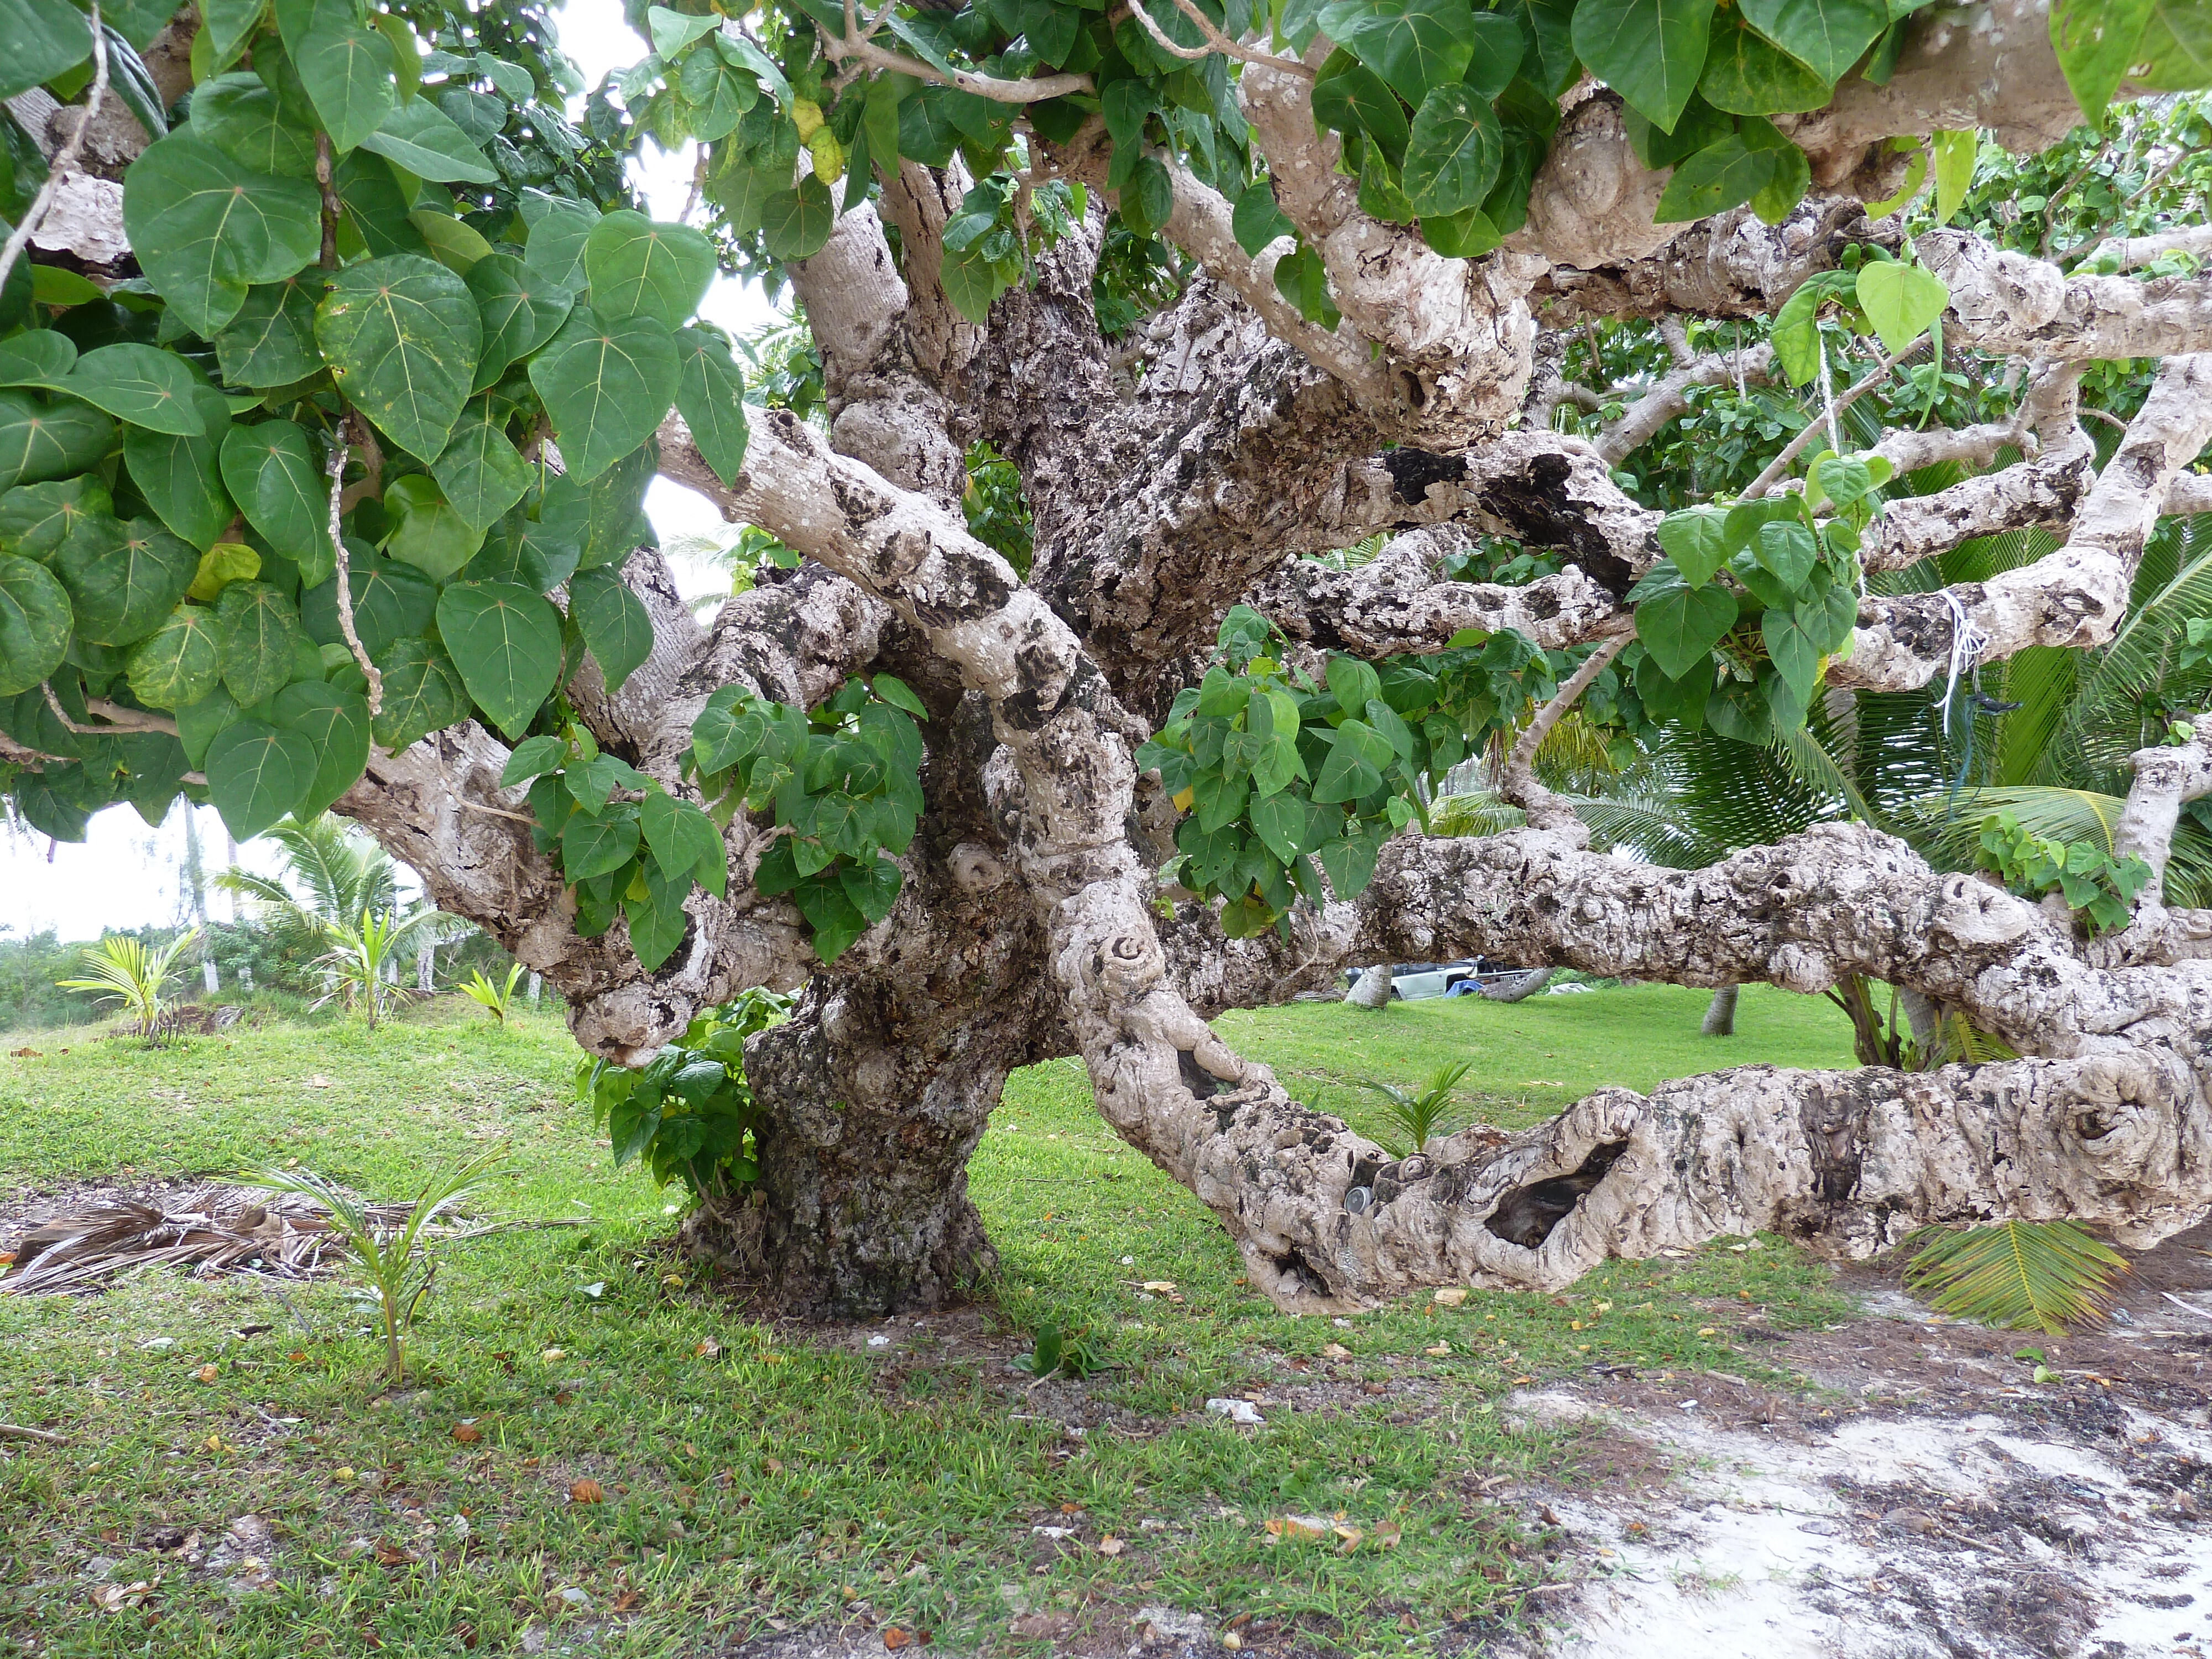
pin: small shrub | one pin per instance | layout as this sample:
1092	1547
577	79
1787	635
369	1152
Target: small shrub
133	976
398	1268
2097	887
688	1112
496	999
1421	1115
1056	1352
357	963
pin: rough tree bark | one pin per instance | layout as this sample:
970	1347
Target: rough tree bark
1184	470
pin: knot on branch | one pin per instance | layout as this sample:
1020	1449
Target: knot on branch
1130	964
1969	911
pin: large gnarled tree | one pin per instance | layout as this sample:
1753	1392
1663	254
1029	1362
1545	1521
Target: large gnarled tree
328	416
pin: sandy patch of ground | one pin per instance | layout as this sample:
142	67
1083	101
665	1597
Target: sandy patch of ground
1927	1496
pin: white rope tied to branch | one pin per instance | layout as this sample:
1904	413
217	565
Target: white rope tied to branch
1967	644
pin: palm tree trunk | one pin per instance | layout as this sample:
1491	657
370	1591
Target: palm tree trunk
1720	1013
1521	986
1373	989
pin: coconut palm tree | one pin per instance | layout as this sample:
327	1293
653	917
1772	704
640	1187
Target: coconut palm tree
342	873
351	905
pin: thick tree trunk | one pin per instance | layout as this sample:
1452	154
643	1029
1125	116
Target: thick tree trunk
1720	1012
862	1207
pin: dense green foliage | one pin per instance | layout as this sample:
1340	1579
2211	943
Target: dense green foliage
1277	771
688	1114
382	269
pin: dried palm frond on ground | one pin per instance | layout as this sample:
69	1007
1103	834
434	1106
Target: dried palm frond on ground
217	1228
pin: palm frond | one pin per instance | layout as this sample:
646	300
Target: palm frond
1417	1116
248	883
1477	813
2107	717
2018	1275
1574	756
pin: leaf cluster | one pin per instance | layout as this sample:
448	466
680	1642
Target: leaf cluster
626	846
1735	622
688	1114
1277	771
2098	886
371	370
843	781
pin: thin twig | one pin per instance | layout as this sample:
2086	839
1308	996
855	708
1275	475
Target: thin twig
1160	38
496	812
118	718
1797	446
1545	810
1028	90
327	183
45	1437
1221	42
345	589
66	159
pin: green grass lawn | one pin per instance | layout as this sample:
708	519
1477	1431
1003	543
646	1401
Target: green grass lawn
756	1475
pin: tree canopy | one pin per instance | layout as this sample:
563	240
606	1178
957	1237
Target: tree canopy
1688	360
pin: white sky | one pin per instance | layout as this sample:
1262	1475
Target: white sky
125	874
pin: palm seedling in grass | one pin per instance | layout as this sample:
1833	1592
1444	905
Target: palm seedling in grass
398	1268
358	962
133	976
496	998
1417	1116
2017	1275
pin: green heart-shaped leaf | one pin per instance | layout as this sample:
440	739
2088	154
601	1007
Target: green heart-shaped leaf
1827	36
180	662
1900	300
34	624
275	474
402	335
40	440
422	693
520	308
141	384
123	579
425	140
481	471
596	846
346	69
506	640
271	340
1650	52
617	626
335	719
246	121
637	267
206	227
710	395
261	636
606	384
1680	626
1453	156
256	774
